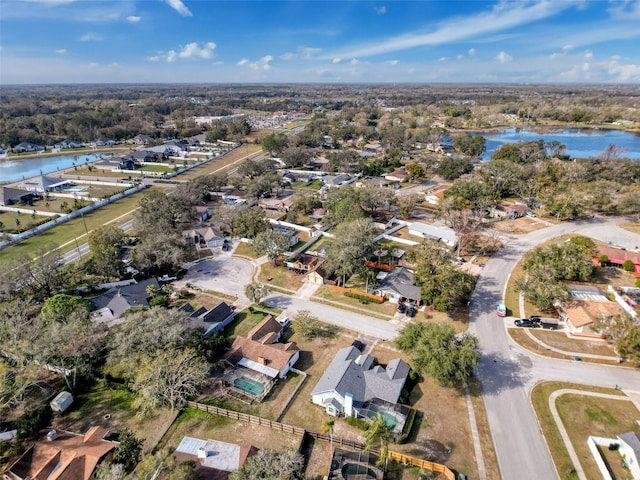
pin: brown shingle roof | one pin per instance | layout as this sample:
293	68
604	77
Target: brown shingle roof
581	313
69	457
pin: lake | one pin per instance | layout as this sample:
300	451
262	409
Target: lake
16	169
580	143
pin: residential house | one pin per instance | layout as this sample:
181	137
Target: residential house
207	321
64	455
261	351
68	144
213	459
397	284
126	162
27	147
338	180
351	382
12	196
585	306
508	210
435	197
305	263
437	233
114	303
629	448
320	276
399	175
205	237
280	204
373	147
617	256
44	183
203	212
104	141
140	140
368	182
289	232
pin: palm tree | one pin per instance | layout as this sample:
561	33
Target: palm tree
379	433
152	291
327	427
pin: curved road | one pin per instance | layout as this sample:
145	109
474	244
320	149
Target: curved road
508	372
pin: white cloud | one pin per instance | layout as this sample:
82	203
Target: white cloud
381	10
354	61
442	59
472	51
624	72
504	57
507	15
566	48
52	2
588	54
459	56
191	50
288	56
133	19
553	56
61	51
625	9
107	68
91	37
263	64
336	60
309	52
392	62
180	7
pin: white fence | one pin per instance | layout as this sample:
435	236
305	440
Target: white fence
592	443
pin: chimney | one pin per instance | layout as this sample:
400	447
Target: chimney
262	360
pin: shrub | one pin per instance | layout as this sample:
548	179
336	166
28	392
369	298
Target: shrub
33	420
638	283
406	430
603	259
363	298
628	266
358	423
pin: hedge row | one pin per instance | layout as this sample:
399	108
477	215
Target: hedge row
363	298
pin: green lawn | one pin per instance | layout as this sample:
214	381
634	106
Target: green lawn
243	323
72	229
26	220
155	168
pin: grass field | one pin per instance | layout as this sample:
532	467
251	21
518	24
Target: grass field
73	229
25	220
582	416
231	159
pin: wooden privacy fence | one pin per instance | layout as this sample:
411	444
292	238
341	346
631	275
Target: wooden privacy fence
252	419
337	441
426	464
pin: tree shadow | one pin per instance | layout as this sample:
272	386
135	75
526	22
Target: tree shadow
498	373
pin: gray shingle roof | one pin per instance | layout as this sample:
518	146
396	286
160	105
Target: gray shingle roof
631	439
121	299
400	280
352	372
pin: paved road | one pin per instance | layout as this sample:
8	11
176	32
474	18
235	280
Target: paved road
508	372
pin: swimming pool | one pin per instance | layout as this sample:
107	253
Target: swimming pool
357	470
389	419
74	188
249	385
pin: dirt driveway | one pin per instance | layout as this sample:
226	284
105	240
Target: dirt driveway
225	274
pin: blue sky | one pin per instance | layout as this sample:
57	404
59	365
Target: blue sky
203	41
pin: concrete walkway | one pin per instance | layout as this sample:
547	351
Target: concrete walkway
475	435
563	431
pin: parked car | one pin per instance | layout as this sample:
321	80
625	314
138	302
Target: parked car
501	309
535	318
531	214
285	322
358	344
523	322
549	323
402	307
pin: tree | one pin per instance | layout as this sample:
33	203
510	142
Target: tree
437	351
270	243
624	332
350	247
376	197
379	432
163	464
327	428
628	266
295	156
472	146
453	167
42	276
466	223
162	252
263	185
60	307
110	471
127	453
287	464
169	377
256	291
274	143
105	243
309	326
248	222
415	171
468	194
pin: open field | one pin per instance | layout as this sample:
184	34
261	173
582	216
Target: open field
279	277
631	226
113	408
561	341
25	221
73	229
244	250
518	226
223	163
582	416
384	309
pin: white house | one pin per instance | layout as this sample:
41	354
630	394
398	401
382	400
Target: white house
434	232
351	382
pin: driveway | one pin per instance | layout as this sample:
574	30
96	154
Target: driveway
225	274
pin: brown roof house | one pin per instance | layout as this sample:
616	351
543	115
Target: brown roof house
586	305
64	456
509	210
399	175
261	351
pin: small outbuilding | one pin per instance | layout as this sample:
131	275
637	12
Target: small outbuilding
62	402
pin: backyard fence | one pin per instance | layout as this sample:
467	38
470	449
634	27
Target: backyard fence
337	441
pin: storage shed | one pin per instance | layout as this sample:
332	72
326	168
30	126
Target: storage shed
62	401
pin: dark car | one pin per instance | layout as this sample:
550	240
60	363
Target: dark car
358	344
523	322
535	318
402	307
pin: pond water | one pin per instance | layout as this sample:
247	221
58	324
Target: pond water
17	168
580	143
